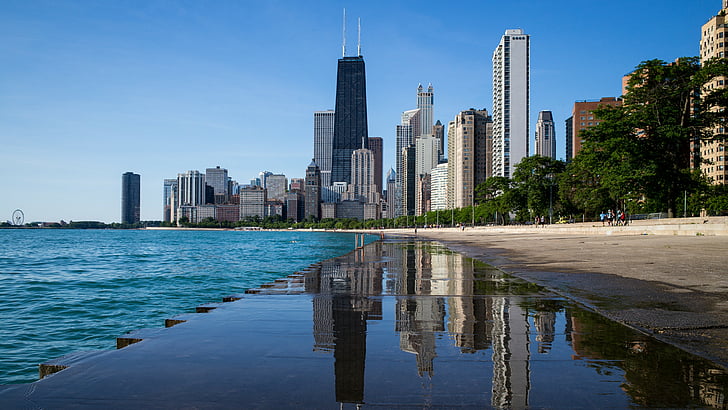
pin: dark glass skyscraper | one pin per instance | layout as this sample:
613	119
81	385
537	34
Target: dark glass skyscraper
130	194
350	121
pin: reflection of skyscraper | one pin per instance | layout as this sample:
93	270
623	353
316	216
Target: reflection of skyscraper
350	120
511	355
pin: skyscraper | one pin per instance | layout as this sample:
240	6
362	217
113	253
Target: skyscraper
169	198
362	185
276	185
410	123
130	198
350	119
511	89
323	140
190	188
376	144
217	178
438	130
426	104
313	191
546	135
470	157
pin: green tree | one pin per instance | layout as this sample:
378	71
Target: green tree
535	180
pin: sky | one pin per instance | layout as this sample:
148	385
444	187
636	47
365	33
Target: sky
92	89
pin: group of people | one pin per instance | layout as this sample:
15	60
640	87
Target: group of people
613	218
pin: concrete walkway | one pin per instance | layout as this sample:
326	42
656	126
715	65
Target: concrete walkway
668	278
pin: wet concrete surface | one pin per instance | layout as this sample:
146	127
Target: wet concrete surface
395	324
674	287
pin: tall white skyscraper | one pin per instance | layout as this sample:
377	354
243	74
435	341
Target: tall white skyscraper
511	83
405	137
323	140
426	154
546	135
426	104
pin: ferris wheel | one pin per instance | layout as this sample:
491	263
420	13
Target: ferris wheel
18	217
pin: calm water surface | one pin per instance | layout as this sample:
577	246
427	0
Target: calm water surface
69	290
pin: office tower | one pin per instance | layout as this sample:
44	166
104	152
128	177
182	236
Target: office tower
276	185
350	119
546	135
391	193
297	184
405	137
130	197
511	78
313	191
376	144
262	178
169	198
323	140
252	202
295	206
438	130
408	180
713	37
190	189
426	147
582	117
425	103
470	143
438	195
218	179
569	138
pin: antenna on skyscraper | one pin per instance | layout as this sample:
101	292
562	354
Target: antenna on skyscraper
358	40
343	44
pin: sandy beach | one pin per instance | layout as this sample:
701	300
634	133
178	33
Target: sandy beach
666	278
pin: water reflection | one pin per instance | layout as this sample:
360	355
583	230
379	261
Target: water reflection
448	310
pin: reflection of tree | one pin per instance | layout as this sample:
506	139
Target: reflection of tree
650	367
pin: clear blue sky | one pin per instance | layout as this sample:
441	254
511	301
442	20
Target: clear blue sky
92	89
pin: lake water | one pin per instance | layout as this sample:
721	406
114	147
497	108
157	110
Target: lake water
69	290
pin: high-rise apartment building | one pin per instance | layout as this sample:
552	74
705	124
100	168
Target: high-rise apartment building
582	117
350	119
546	135
569	138
438	195
313	191
391	191
426	105
323	140
376	144
218	179
410	122
362	187
130	198
511	91
470	142
714	44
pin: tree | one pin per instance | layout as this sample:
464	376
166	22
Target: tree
535	180
643	148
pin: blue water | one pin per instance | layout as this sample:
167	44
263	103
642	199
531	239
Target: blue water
63	291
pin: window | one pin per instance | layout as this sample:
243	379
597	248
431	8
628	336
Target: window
591	117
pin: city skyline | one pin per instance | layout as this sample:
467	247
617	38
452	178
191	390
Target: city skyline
94	90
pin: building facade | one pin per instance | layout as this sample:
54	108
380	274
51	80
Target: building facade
545	135
511	94
276	185
438	195
713	155
350	119
323	140
130	198
582	117
169	196
252	202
